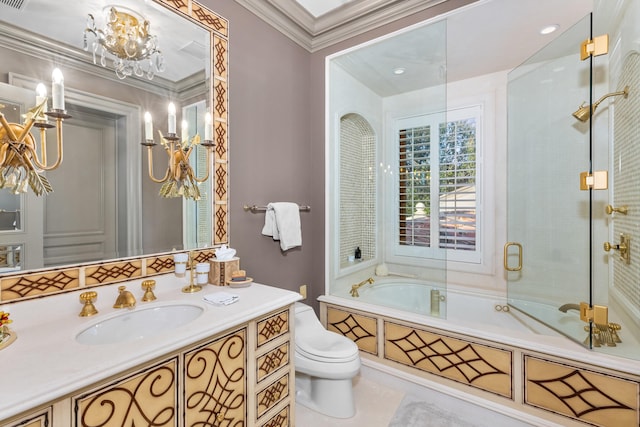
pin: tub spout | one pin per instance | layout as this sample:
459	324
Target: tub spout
566	307
354	288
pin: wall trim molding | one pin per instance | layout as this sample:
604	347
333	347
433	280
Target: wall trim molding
350	20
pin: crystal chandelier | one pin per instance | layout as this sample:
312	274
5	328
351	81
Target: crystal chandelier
126	36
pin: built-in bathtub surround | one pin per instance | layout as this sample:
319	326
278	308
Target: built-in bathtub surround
492	358
357	189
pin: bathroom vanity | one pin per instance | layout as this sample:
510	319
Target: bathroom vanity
226	365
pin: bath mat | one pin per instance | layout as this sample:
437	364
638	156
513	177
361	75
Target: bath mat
413	412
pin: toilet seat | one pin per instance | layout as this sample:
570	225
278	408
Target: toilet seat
328	357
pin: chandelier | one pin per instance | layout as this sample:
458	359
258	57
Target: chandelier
126	37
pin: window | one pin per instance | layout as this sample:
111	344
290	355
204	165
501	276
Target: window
437	184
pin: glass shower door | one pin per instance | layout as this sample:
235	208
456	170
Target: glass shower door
549	216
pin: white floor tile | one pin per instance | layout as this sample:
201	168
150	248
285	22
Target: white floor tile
375	406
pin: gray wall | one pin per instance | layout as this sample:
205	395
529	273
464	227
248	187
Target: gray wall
276	131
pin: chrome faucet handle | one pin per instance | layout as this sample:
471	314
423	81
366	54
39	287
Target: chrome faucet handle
87	298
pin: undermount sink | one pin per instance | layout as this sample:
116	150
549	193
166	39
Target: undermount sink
139	323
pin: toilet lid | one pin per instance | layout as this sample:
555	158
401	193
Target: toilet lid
329	347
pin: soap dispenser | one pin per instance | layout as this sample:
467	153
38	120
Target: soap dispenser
358	254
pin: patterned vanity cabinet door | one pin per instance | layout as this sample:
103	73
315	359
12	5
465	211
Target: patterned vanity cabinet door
145	397
37	419
215	382
273	371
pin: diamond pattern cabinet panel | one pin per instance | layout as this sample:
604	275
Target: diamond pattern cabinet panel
215	382
146	397
272	327
272	395
281	419
37	419
363	330
596	398
481	366
272	361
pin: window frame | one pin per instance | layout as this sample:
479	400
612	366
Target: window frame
477	261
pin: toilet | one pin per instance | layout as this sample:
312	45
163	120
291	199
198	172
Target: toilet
325	364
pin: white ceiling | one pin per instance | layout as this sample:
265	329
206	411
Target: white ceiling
482	37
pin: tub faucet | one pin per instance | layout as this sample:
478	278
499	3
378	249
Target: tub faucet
566	307
354	288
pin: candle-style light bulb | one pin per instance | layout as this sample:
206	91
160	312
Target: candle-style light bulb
148	126
57	91
172	118
185	130
208	130
41	95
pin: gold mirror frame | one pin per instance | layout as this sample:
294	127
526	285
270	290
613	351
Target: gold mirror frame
27	284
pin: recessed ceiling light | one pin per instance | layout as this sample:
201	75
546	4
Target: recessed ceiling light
549	29
399	71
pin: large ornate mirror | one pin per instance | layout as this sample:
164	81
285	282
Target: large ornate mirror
104	205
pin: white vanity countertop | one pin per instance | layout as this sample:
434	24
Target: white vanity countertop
46	362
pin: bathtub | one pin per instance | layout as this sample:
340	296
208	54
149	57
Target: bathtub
484	320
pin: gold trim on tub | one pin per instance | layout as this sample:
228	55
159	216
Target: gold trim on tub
581	394
363	330
481	366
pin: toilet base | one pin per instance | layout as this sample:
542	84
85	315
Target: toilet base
333	398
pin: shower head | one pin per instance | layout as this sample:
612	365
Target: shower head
584	112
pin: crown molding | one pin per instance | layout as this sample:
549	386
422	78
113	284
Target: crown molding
349	20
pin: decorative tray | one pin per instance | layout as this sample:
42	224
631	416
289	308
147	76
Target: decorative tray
240	284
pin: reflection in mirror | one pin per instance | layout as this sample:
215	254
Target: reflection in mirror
10	258
101	190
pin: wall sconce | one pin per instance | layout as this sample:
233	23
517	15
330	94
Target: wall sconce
125	36
19	162
180	179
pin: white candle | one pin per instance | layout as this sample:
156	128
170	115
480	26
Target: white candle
148	126
185	130
208	130
172	118
41	95
57	91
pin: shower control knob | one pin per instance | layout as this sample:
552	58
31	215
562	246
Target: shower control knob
622	210
608	246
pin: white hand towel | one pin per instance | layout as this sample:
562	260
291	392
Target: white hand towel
221	298
282	222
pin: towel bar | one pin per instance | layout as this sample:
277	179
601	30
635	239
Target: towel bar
255	208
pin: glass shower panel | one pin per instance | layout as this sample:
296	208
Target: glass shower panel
549	216
384	215
616	124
